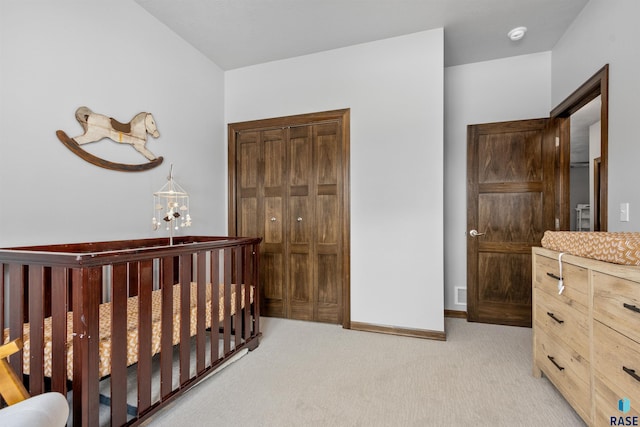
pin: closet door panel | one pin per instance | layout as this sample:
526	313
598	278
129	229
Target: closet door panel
300	221
300	217
272	217
327	153
248	221
247	164
274	158
301	283
271	280
327	224
273	223
248	156
329	296
301	289
300	156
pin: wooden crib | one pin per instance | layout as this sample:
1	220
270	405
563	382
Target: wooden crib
92	314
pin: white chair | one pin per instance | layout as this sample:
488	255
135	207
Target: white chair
47	409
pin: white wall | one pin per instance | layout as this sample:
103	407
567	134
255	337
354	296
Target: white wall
118	60
608	32
493	91
394	88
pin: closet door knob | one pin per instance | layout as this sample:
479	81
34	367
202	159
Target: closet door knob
273	219
299	219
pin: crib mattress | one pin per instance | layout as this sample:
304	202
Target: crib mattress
614	247
104	345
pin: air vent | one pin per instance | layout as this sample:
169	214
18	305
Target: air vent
461	295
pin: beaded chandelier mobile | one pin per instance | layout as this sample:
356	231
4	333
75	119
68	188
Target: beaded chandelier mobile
171	207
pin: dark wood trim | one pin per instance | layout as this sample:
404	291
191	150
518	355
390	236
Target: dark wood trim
344	115
392	330
580	97
455	314
299	119
346	226
597	202
598	84
563	173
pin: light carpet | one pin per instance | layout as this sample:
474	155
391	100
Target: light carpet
314	374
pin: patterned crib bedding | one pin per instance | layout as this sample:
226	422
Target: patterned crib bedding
614	247
104	346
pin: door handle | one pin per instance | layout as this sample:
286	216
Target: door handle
474	233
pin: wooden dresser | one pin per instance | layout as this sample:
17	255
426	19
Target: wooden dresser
587	339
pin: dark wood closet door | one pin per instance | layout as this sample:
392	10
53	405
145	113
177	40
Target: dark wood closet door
301	219
289	189
510	203
261	191
330	214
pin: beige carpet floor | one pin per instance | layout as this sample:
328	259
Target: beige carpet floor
313	374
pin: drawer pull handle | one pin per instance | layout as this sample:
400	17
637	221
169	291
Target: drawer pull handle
560	368
631	307
554	317
554	276
631	372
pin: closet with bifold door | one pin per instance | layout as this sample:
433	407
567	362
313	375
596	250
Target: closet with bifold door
288	183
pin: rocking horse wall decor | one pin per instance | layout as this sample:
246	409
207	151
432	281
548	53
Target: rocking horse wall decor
98	126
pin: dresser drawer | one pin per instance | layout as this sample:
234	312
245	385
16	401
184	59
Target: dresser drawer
575	280
606	401
563	322
566	369
616	361
616	303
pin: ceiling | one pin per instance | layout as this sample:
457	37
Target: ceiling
239	33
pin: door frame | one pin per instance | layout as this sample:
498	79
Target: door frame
597	85
343	115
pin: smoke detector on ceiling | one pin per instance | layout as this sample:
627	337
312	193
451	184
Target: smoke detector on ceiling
517	33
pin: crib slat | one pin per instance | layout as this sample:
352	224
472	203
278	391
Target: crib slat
59	308
246	280
86	287
145	281
185	308
133	279
119	292
2	299
16	302
255	261
166	340
227	302
215	306
201	313
36	329
237	270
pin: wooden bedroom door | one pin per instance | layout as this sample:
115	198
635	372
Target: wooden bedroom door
510	203
288	185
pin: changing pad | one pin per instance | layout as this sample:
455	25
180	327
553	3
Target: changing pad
614	247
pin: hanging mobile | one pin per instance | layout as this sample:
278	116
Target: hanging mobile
170	203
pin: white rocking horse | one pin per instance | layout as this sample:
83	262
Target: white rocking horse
97	126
